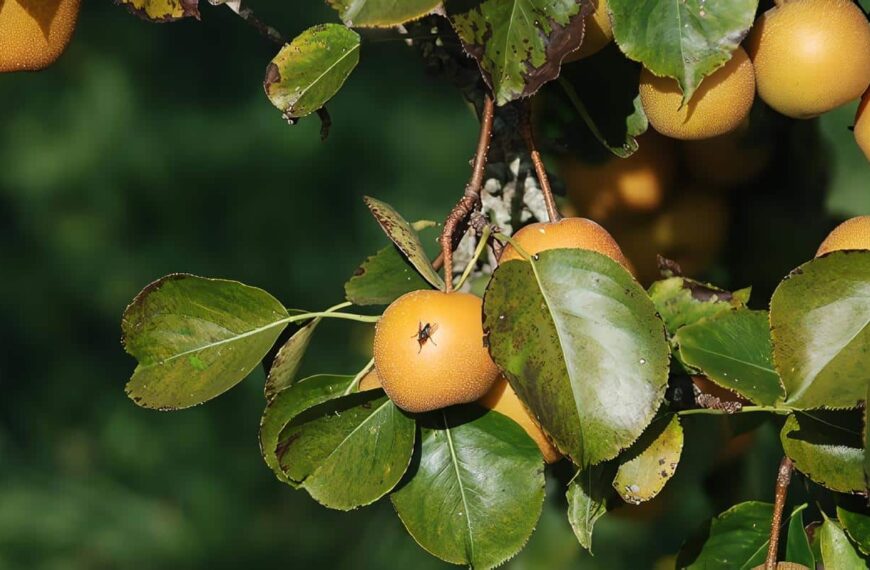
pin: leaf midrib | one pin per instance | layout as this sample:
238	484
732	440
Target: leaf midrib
455	461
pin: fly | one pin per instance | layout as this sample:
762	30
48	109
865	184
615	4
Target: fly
424	334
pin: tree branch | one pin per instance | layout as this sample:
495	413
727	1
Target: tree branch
248	16
783	478
471	198
541	171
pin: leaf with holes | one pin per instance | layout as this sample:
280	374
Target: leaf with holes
162	10
518	44
475	492
857	526
797	547
383	278
406	239
381	13
683	39
195	338
826	447
651	462
587	501
837	551
289	403
733	350
582	346
349	451
737	538
682	301
820	322
311	69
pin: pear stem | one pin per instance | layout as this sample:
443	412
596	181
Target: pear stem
543	180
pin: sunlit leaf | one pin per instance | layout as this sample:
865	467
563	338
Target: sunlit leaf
857	526
820	322
683	39
582	346
405	238
682	301
383	278
837	551
290	402
349	451
518	44
162	10
826	447
196	338
733	350
311	69
475	493
381	13
651	462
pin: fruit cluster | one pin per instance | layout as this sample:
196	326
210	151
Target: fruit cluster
430	348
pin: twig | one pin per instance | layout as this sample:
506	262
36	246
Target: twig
325	122
248	16
472	192
543	180
783	478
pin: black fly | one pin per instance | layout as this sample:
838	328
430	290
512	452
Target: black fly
424	334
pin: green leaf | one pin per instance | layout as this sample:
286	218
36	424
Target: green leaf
311	69
289	403
349	451
857	526
582	346
381	13
797	548
518	44
825	446
288	360
587	501
733	349
476	492
681	301
405	238
162	10
611	113
383	278
651	462
196	338
737	538
819	318
837	551
286	364
683	39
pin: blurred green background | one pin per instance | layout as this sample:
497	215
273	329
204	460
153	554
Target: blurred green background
151	149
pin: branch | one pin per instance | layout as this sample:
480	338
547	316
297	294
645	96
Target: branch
248	16
471	198
541	171
783	478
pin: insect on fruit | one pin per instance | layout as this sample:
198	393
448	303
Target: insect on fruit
424	334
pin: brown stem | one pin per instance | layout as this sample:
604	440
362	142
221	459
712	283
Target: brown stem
783	478
471	198
248	16
541	171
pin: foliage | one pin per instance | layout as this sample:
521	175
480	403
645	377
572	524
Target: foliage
588	350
